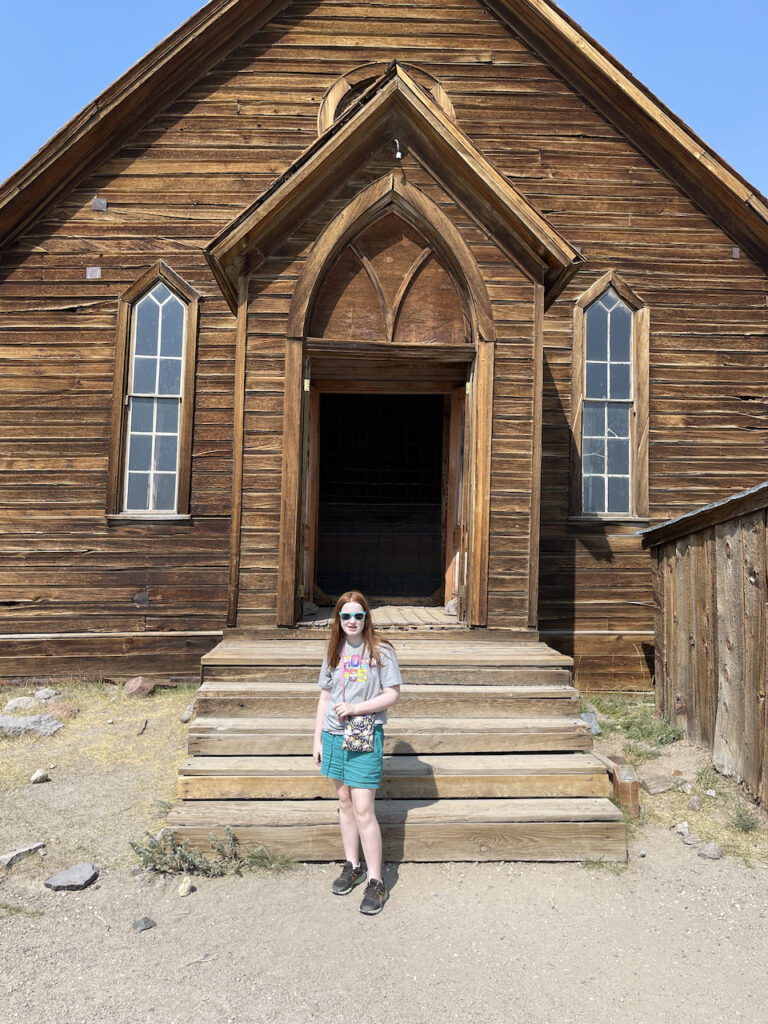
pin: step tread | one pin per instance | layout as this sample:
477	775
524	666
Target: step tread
434	653
400	765
305	726
238	688
217	813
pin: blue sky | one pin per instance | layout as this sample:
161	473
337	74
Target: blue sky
705	59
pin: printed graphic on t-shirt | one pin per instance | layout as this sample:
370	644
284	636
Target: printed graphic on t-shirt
355	669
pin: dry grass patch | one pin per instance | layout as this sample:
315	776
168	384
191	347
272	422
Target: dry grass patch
87	741
721	819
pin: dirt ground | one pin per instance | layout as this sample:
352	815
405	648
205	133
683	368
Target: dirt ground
670	935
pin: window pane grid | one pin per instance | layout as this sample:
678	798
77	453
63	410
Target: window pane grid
608	402
154	400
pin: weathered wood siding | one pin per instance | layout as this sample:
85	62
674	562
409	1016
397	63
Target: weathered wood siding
204	159
710	589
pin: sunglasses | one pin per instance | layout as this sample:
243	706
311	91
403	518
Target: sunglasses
346	616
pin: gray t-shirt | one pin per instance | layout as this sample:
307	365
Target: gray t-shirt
364	680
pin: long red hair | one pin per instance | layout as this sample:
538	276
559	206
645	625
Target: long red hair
337	637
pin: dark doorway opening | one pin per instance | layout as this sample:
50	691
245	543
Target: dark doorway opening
380	495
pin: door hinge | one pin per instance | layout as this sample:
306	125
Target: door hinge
467	387
306	383
462	590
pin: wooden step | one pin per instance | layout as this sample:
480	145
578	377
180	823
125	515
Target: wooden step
265	700
417	830
405	777
465	675
256	736
450	657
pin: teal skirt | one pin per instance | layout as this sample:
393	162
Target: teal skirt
356	768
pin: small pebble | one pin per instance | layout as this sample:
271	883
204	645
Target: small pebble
110	721
641	854
682	828
710	792
690	840
41	775
695	803
186	886
144	924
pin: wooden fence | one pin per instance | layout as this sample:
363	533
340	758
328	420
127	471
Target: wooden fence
710	590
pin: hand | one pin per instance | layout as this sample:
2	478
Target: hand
345	709
317	754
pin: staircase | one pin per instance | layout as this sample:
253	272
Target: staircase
485	756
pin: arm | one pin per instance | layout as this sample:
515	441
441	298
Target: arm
322	707
389	695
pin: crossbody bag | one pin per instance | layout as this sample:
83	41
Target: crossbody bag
358	729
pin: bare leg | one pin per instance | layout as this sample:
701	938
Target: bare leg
350	837
368	829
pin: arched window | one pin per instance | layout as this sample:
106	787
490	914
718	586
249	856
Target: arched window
610	406
151	447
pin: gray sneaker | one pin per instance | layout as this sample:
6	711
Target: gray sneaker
350	877
375	897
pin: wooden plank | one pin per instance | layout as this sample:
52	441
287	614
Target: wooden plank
448	777
536	457
727	751
753	629
220	736
421	830
682	668
290	512
237	453
436	701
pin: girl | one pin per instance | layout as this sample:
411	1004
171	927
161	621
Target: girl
360	676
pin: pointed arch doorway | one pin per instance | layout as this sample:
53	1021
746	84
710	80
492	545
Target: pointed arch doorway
392	420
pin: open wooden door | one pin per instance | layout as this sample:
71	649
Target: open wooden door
311	494
455	498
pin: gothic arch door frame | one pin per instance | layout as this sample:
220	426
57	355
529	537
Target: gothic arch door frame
391	193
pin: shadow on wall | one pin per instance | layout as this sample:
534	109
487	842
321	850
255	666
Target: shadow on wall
571	554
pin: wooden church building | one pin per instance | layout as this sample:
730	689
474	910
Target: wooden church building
434	300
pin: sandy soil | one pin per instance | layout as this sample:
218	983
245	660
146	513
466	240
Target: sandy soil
669	936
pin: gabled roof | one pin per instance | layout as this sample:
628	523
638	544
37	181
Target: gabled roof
220	26
394	106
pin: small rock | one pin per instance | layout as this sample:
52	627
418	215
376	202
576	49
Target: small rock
710	792
144	924
682	828
110	721
139	686
19	704
41	775
189	710
655	781
186	886
9	859
74	879
61	709
641	854
47	693
677	772
685	787
711	851
41	725
690	840
695	803
591	719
